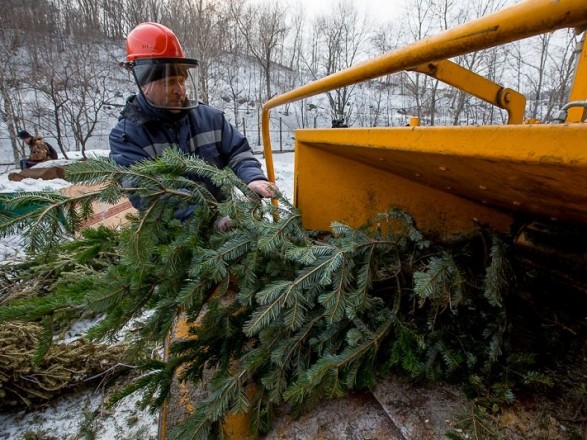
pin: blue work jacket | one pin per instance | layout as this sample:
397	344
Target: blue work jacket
144	132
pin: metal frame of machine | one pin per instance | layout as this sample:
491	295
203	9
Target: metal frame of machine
451	179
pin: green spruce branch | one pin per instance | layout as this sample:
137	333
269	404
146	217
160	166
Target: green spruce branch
280	315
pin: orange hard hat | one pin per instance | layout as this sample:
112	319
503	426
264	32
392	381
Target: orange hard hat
152	40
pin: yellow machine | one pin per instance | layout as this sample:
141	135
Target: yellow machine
451	179
521	178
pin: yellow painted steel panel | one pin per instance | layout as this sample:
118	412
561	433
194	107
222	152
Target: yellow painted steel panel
450	178
351	192
235	426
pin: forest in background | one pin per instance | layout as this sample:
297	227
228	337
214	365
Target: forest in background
60	76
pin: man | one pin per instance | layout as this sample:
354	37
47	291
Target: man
39	150
166	114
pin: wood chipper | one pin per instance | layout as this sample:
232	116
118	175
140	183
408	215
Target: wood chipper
523	178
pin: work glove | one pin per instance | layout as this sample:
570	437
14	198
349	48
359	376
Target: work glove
223	223
263	188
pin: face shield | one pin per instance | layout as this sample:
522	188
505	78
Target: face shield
168	83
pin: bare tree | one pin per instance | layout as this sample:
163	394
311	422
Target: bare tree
200	26
385	39
11	110
264	28
560	70
297	42
138	11
537	68
113	21
71	96
93	87
421	24
88	12
339	40
233	76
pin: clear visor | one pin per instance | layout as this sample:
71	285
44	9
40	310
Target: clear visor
168	84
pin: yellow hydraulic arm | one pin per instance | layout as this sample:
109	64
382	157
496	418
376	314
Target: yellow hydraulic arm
453	74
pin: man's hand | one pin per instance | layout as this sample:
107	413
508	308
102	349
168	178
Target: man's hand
263	188
223	223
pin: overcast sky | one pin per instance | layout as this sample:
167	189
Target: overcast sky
377	8
383	10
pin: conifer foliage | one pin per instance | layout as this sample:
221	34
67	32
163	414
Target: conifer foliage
284	315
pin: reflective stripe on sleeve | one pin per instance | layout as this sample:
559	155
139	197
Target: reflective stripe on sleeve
209	137
245	155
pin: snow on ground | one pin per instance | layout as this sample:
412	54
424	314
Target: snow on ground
71	416
284	174
11	246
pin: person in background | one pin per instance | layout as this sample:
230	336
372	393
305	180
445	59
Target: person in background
39	150
165	113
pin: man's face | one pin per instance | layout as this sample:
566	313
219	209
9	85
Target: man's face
28	140
167	92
